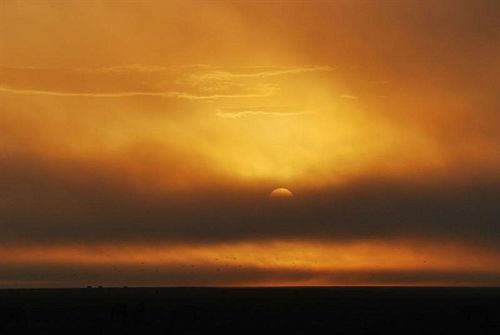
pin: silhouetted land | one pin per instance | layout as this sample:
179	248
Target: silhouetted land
233	310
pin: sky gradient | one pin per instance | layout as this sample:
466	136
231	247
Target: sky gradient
139	143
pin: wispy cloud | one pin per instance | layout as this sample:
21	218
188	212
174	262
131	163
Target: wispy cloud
87	94
180	95
191	82
237	114
217	74
348	96
112	69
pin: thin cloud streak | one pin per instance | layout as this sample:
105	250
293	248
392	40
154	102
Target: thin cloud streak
190	82
224	75
348	96
180	95
210	69
246	113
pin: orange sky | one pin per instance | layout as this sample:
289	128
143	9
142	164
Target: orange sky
154	131
318	262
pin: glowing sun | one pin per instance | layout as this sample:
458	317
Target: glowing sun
281	193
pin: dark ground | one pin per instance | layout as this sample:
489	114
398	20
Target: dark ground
236	310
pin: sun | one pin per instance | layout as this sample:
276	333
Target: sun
281	193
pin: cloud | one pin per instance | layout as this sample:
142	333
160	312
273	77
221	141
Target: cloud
83	202
220	96
77	275
227	75
348	96
191	82
275	262
180	95
266	111
92	94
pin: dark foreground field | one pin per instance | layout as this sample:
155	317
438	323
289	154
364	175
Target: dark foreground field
235	310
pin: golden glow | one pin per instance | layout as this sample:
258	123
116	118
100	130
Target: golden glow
274	263
276	255
281	193
301	131
148	105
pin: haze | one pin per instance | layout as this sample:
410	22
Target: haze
139	143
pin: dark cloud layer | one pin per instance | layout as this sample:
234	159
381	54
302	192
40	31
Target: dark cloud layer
82	204
78	276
